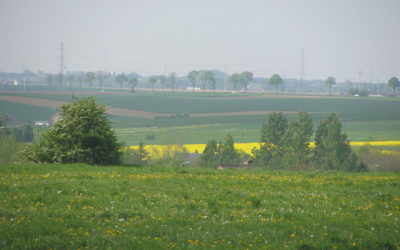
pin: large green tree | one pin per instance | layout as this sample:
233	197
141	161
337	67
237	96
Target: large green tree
393	83
121	79
133	81
246	78
276	80
236	80
193	78
330	81
205	76
83	134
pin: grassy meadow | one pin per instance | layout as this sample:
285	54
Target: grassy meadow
80	206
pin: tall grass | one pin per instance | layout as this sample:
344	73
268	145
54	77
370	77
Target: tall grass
79	206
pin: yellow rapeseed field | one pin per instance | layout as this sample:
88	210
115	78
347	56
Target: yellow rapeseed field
159	150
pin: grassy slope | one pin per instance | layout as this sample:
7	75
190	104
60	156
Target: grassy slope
77	206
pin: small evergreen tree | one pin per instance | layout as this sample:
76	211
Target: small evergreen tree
332	149
227	152
223	153
210	154
83	134
297	137
272	139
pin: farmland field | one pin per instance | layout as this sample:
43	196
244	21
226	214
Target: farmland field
80	206
212	116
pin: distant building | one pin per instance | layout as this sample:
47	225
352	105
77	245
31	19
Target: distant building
191	88
41	123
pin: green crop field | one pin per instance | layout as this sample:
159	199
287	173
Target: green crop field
25	112
351	108
80	206
364	119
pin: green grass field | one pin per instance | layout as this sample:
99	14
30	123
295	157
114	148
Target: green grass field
364	119
80	206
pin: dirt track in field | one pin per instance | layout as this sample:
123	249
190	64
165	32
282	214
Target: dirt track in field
129	112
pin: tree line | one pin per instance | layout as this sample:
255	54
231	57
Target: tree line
195	80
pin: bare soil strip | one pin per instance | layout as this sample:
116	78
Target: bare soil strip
32	101
56	104
130	112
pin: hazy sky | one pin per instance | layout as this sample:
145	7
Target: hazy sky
347	39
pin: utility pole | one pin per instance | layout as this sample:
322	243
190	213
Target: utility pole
62	82
359	79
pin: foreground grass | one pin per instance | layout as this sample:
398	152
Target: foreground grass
77	206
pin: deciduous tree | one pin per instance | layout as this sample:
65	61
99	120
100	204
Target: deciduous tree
235	79
330	81
133	81
276	80
193	78
246	78
83	134
393	83
205	76
121	79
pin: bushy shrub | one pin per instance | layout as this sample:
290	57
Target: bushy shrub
8	148
223	153
83	134
170	155
135	157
